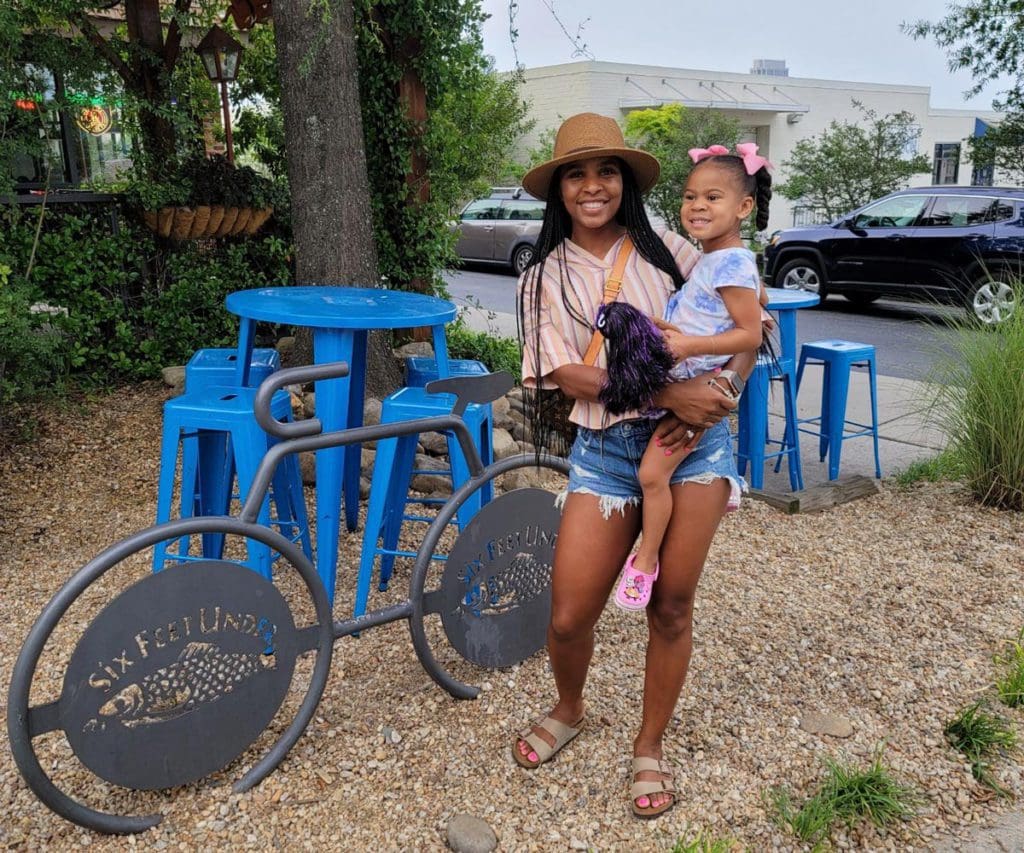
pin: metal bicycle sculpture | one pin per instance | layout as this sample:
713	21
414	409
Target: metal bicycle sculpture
182	671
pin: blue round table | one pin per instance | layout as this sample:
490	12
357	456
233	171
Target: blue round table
340	318
786	303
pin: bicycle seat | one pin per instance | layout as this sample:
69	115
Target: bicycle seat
473	389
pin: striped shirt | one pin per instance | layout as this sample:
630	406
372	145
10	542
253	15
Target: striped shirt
563	338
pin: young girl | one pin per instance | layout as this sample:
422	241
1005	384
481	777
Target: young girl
715	315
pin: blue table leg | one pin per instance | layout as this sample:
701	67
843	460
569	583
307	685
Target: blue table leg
441	352
353	452
787	335
246	337
332	409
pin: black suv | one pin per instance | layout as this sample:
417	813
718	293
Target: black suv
960	245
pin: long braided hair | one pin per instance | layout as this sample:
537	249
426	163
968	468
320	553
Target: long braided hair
546	412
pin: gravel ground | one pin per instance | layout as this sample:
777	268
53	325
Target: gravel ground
885	612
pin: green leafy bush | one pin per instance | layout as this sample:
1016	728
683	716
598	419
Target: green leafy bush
497	353
979	401
130	309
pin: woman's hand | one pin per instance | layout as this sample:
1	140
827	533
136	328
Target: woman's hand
672	434
695	402
675	340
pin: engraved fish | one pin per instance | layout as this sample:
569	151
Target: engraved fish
522	580
202	673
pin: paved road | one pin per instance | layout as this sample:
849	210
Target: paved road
907	336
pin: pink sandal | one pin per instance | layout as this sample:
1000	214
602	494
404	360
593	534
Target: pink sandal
634	592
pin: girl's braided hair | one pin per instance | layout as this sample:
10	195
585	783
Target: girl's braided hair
758	185
545	411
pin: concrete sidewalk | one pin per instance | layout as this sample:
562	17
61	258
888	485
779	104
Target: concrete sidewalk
906	431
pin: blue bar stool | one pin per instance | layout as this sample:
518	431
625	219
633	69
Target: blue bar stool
209	367
392	473
753	435
419	370
224	414
831	426
220	366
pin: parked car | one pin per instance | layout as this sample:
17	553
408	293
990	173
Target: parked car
955	245
500	229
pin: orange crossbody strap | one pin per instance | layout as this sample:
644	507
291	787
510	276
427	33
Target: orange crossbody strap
611	292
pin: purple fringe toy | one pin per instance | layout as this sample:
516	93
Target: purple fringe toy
638	360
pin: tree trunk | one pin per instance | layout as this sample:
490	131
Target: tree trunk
330	190
151	78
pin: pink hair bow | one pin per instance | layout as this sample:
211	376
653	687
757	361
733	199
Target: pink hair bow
746	151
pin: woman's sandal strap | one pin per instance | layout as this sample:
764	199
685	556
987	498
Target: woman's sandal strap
643	763
561	732
654	786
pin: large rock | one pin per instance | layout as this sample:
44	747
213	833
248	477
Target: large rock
469	834
285	348
503	443
414	348
823	723
174	377
428	483
501	410
371	411
434	443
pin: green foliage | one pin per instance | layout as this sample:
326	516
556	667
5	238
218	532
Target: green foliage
978	400
497	353
1002	146
1010	685
848	795
849	164
30	346
704	842
669	132
120	322
945	466
200	180
981	735
982	37
473	119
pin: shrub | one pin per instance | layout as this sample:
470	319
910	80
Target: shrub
497	353
979	401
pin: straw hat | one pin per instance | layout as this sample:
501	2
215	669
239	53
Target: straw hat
591	135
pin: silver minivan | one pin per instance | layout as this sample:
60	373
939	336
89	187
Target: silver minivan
500	229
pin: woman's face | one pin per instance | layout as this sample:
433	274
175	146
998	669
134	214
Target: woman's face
592	193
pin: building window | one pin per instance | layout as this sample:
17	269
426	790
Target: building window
947	163
910	146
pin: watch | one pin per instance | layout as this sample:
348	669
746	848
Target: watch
733	386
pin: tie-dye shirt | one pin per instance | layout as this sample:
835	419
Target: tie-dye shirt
698	308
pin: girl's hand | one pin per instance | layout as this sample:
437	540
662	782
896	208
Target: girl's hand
675	340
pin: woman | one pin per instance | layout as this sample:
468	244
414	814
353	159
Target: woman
593	186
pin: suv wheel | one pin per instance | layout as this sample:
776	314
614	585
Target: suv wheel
521	258
992	299
801	274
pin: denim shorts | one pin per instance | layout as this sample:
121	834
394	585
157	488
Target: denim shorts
606	462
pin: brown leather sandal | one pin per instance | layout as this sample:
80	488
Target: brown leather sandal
544	750
654	786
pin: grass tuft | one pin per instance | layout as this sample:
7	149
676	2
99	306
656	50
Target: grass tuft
979	401
945	466
1010	686
980	735
848	795
703	842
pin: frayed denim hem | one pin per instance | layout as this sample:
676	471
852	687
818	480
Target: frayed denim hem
607	504
706	478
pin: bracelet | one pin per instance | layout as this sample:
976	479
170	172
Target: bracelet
726	389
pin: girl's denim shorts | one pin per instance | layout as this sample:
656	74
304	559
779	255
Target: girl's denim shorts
606	462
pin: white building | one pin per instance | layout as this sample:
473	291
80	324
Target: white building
775	110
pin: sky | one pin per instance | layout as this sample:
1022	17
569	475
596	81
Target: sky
857	41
